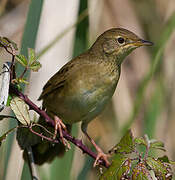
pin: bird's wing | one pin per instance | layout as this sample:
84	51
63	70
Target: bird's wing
57	81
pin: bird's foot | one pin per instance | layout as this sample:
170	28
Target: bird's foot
101	155
59	125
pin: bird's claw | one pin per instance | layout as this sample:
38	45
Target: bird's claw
101	155
59	125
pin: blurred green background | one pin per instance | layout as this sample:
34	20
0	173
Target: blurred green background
144	99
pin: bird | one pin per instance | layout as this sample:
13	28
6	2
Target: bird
81	89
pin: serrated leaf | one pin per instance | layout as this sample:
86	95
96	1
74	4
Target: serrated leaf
111	172
140	172
126	144
3	137
161	170
140	141
157	145
31	56
21	59
124	170
26	138
35	66
21	110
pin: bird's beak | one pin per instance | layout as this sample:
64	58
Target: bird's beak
142	42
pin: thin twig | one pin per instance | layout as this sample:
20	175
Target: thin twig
45	129
43	137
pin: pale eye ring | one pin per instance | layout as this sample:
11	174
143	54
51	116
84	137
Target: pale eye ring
120	40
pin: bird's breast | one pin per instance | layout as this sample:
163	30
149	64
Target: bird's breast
86	94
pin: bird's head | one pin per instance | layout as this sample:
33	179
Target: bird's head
118	42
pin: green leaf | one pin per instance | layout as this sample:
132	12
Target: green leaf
140	141
35	66
117	167
164	159
3	137
124	170
21	59
140	172
21	110
126	144
157	145
31	56
6	116
161	170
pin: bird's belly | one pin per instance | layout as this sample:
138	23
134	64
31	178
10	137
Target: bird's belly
84	105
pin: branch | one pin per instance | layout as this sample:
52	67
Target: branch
67	136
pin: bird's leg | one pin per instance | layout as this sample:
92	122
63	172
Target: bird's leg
100	153
59	125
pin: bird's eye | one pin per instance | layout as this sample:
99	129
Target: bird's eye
121	40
